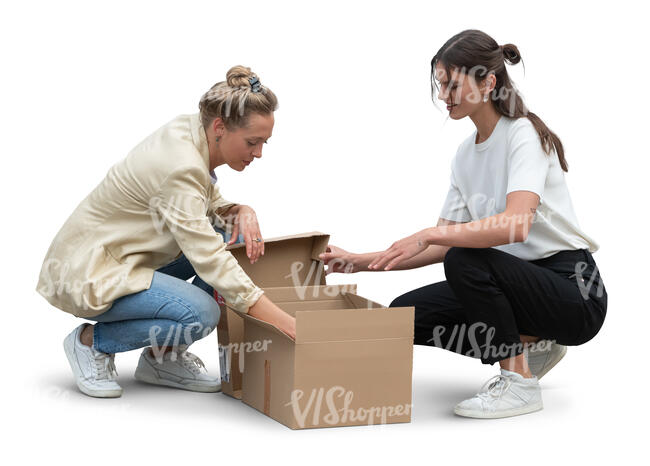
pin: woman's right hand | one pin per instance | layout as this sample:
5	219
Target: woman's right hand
339	260
264	309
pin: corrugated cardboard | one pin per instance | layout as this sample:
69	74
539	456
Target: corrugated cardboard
288	261
351	362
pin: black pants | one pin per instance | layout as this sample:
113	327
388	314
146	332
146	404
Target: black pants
490	297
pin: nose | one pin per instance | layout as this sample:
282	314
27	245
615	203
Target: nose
257	153
443	95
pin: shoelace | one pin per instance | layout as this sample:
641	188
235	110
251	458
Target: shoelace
496	387
105	366
191	362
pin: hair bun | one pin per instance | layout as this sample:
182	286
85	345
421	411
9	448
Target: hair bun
238	76
511	53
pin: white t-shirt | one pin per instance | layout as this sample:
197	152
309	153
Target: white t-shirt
512	159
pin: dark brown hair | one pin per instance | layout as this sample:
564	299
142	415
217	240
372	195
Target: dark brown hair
475	51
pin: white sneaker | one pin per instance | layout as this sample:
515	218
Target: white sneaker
94	371
507	394
178	369
543	356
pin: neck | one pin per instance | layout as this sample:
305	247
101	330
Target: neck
485	119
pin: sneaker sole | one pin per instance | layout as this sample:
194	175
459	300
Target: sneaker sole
551	364
499	414
168	383
68	347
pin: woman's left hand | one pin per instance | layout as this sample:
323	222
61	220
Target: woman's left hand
400	251
246	222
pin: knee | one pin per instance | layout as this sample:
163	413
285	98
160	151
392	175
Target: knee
208	314
457	257
204	313
401	301
453	254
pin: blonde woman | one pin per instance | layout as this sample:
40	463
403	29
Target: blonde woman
123	257
522	283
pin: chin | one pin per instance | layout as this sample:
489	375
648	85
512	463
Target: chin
238	167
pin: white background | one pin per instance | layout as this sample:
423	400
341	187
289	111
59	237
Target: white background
358	151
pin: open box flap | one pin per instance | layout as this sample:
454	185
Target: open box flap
287	261
308	293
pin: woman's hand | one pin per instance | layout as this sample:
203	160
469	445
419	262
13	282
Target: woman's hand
265	310
400	251
338	260
246	222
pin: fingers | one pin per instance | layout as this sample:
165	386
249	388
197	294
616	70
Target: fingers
251	232
325	257
395	261
254	249
383	259
235	234
249	245
332	252
259	245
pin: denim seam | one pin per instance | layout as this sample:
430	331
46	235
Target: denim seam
177	300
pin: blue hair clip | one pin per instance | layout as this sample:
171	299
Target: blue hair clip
255	84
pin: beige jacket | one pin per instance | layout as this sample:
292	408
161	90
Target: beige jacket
149	208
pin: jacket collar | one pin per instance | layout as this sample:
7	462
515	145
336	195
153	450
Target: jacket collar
199	138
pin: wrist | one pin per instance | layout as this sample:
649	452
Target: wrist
362	261
234	209
357	262
431	235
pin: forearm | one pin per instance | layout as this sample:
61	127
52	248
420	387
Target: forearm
265	310
492	231
434	254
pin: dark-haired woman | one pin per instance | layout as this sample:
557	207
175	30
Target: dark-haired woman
521	280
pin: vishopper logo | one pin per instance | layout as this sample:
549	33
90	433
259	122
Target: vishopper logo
478	350
333	407
585	287
176	336
494	216
225	354
477	73
190	212
55	282
178	211
314	275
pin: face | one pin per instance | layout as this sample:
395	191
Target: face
240	146
462	94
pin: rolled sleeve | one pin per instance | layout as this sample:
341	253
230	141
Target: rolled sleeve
182	205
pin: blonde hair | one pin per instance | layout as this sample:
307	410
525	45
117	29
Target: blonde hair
235	99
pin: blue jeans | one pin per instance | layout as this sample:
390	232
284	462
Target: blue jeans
171	312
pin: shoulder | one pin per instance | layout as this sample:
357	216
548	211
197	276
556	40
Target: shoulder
170	150
520	128
464	148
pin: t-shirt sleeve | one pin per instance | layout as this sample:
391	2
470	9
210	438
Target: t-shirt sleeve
455	208
528	164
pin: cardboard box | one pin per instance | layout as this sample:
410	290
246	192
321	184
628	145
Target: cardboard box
351	362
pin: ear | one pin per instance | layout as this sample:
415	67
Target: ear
490	82
217	126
